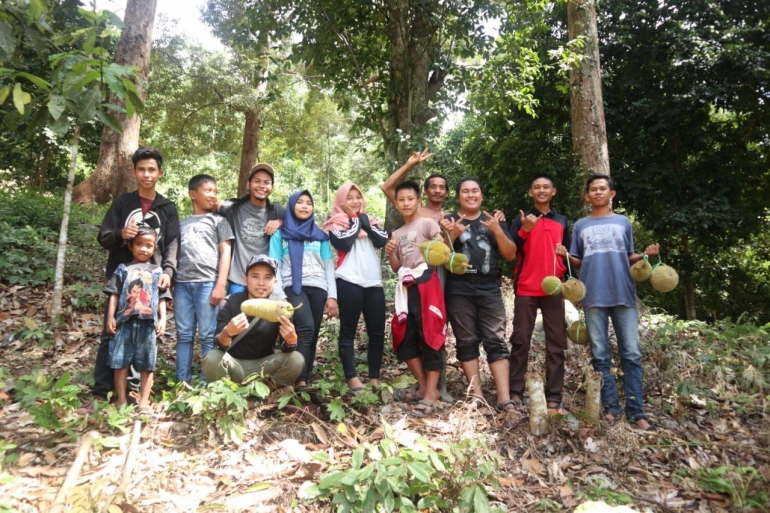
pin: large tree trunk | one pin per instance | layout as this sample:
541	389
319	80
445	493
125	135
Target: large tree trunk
412	85
589	135
248	149
112	176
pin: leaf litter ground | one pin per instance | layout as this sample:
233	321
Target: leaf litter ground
707	393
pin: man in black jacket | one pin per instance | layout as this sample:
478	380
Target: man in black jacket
245	346
142	207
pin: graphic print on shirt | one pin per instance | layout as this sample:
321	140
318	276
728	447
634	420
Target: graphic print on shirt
253	232
138	293
406	243
603	238
192	233
150	220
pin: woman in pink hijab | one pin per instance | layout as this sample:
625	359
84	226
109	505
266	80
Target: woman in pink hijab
356	237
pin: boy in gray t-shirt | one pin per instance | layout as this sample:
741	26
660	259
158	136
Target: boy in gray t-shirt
203	266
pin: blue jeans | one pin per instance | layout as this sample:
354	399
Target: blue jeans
626	323
192	310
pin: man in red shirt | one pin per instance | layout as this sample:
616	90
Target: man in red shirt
536	234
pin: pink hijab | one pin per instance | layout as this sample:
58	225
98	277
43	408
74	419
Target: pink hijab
339	219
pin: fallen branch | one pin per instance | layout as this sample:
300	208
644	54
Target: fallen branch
61	497
128	466
302	411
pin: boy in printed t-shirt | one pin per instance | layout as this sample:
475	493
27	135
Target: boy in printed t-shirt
205	243
603	249
136	315
419	326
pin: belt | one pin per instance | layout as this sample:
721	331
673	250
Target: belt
475	278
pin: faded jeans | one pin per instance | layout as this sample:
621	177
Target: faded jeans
192	310
626	323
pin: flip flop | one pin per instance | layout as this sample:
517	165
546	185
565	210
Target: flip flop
423	409
356	390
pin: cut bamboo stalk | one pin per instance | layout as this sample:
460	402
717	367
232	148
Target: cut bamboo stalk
538	409
593	406
61	497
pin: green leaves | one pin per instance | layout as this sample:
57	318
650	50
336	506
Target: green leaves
56	105
396	478
20	98
7	41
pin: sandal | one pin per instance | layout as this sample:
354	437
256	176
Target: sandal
511	412
356	390
610	418
650	426
423	409
509	406
405	395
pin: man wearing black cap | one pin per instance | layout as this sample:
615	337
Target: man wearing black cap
253	219
242	349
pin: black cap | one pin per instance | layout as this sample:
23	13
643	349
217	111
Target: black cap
263	259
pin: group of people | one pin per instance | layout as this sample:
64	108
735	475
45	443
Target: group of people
231	251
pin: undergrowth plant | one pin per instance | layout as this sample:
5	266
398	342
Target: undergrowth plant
388	476
49	400
221	405
737	483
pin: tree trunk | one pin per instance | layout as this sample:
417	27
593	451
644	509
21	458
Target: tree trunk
589	135
248	149
412	84
689	289
112	176
61	254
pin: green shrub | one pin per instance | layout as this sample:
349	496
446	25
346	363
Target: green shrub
450	476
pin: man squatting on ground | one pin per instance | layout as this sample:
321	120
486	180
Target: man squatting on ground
242	349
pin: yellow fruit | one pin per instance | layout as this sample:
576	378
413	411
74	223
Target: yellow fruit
664	278
268	309
457	264
641	271
435	252
551	285
578	333
574	290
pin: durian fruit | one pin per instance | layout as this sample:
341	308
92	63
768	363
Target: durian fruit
574	290
551	285
641	271
664	278
578	333
435	252
457	264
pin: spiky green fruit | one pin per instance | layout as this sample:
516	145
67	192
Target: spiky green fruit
457	264
435	252
641	271
578	333
551	285
574	290
664	278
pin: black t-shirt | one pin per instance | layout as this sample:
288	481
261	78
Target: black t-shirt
479	245
259	342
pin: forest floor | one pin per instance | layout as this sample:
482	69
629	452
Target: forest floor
706	387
